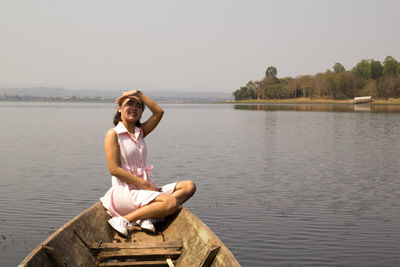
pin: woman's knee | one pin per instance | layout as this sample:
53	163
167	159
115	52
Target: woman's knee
190	187
170	203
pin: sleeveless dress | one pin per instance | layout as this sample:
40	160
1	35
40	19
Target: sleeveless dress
123	198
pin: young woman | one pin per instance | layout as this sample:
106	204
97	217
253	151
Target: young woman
134	197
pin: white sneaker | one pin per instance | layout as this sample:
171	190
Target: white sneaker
119	224
146	224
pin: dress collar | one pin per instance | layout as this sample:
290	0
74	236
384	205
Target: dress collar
120	128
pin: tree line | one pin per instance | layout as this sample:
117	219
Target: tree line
367	78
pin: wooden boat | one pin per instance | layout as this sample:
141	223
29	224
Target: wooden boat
181	239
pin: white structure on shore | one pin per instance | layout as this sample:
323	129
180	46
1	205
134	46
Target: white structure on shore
363	99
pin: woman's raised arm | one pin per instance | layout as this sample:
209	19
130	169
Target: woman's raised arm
155	118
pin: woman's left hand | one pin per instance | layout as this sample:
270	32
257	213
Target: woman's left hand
126	94
150	186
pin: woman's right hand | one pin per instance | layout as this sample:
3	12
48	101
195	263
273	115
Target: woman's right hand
126	94
150	186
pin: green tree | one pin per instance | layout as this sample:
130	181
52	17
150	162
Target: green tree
337	68
245	93
290	88
362	69
390	66
390	86
376	69
267	86
304	85
271	72
318	85
262	88
284	87
345	84
252	86
368	89
273	91
368	77
330	84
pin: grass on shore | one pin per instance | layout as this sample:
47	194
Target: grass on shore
304	100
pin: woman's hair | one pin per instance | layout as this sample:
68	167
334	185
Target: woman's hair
117	116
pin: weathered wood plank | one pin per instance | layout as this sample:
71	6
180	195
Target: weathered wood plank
133	245
158	253
50	251
135	263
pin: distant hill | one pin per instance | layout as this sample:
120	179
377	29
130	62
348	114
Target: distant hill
63	94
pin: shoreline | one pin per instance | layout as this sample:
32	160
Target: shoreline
293	101
303	100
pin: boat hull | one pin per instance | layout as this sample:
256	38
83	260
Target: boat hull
71	245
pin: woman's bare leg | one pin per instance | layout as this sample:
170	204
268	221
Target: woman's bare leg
164	205
183	191
160	207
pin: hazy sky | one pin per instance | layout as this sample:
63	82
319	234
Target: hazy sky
211	45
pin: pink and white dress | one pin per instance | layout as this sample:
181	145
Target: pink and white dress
123	198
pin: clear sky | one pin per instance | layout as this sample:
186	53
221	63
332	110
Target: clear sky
204	45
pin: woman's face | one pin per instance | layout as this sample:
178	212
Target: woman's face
131	109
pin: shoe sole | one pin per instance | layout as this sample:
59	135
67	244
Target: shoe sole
148	230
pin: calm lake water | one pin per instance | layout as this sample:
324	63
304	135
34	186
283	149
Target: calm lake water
281	185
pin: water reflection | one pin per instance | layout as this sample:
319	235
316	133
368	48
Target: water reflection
321	107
